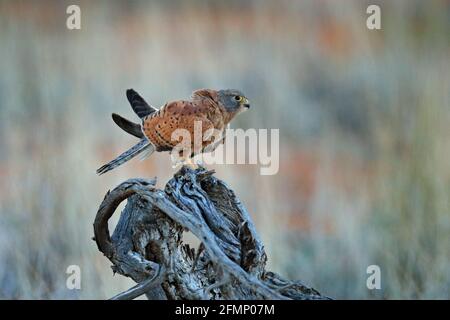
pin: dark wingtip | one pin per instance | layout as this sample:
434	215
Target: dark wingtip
130	94
138	104
128	126
115	117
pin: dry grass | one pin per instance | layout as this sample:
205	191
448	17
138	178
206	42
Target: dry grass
364	177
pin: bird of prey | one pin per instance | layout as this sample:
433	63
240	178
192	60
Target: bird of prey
212	109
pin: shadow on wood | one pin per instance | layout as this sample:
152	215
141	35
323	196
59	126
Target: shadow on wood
147	242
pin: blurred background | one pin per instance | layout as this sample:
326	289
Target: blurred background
363	115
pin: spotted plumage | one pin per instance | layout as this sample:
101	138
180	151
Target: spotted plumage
208	109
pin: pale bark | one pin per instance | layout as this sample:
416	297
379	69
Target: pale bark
147	242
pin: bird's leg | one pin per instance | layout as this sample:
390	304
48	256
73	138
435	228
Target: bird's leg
182	160
220	139
198	160
176	160
190	163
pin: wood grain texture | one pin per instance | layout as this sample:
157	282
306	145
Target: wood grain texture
147	242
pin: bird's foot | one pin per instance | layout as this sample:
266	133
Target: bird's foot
181	161
191	164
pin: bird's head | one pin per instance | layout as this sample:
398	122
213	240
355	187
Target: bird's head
233	101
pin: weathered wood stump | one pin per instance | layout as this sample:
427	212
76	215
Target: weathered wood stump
147	242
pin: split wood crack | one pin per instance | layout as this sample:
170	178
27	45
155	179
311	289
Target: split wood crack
147	243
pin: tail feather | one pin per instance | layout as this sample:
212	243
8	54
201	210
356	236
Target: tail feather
143	145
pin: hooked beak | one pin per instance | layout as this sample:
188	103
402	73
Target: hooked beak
246	103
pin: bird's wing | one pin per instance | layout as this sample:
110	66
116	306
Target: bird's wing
161	127
202	94
139	105
128	126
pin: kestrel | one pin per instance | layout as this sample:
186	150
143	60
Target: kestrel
210	110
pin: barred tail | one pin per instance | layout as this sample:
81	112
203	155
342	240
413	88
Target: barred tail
143	145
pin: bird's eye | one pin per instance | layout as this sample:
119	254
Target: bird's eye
238	98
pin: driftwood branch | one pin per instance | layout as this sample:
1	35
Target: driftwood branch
147	243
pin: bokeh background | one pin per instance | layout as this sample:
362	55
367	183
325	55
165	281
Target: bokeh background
364	133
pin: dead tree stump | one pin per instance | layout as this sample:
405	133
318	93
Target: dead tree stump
147	242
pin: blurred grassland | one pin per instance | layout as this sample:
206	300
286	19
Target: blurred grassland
363	116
